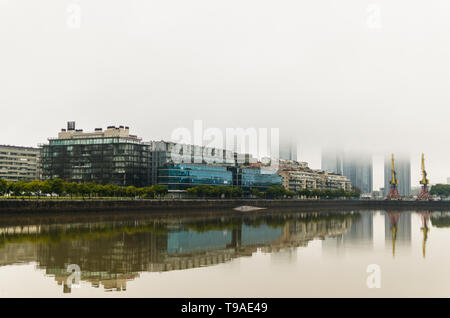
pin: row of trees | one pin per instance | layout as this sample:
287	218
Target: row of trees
60	188
278	192
442	190
273	192
215	191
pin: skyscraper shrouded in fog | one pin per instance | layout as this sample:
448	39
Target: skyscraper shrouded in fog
332	160
403	170
288	147
355	166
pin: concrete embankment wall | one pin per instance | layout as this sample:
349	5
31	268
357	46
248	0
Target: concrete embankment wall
210	205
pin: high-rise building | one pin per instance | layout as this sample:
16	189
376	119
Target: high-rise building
111	156
355	166
358	168
19	163
332	161
288	149
403	170
448	180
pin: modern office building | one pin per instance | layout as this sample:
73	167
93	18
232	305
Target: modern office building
403	170
355	166
181	176
19	163
164	154
248	178
181	166
111	156
448	180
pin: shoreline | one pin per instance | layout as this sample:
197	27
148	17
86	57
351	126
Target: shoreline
180	205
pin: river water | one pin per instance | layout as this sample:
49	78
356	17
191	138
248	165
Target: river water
258	254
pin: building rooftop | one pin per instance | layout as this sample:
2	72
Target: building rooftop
111	131
19	147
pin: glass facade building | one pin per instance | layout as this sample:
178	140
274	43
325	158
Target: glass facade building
110	157
249	178
182	176
358	167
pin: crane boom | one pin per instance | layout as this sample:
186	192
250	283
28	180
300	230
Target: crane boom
394	175
424	180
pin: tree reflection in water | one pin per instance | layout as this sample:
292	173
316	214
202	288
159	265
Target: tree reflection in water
112	252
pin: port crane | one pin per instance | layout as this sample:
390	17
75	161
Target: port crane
393	192
425	216
393	219
424	195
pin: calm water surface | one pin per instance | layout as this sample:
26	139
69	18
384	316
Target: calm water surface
265	254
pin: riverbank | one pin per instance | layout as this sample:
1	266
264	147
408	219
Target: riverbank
35	206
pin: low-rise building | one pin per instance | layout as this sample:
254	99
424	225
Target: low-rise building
180	166
19	163
297	176
181	176
249	178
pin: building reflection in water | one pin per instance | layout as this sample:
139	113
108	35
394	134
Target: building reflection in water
394	230
361	233
114	252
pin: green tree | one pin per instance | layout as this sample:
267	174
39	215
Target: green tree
35	187
192	191
57	186
18	188
289	194
46	187
236	192
149	192
276	192
442	190
83	189
160	190
257	193
140	192
3	187
71	188
304	192
316	193
131	191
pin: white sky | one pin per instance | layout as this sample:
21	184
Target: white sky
364	74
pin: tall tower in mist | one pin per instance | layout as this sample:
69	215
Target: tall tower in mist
332	161
288	147
403	170
357	167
